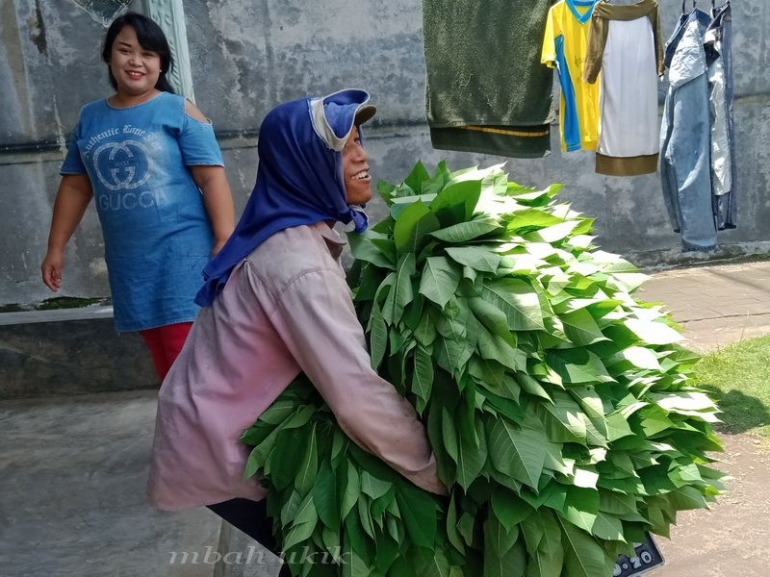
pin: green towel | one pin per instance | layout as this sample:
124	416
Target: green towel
486	89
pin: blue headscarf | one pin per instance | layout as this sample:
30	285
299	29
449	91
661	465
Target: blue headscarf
299	179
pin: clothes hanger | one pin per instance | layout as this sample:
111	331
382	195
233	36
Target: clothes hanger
694	5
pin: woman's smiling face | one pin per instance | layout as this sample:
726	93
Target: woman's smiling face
355	170
136	69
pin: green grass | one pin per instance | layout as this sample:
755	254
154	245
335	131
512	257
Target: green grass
738	377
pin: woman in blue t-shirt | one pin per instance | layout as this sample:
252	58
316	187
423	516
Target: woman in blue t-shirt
150	160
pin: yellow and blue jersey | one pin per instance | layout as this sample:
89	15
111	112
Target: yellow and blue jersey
565	47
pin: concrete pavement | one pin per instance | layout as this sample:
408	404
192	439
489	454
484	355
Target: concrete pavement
73	470
716	305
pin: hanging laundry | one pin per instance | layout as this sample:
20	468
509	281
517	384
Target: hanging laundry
718	55
625	38
565	48
685	148
486	90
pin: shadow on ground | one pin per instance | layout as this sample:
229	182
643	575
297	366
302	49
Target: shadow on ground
741	413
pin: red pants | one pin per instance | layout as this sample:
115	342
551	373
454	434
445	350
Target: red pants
165	343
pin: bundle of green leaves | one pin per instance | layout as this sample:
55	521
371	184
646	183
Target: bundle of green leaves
558	405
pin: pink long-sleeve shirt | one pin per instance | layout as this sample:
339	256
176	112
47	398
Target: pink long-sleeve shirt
286	308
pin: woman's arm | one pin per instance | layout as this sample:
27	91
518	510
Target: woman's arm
218	200
72	199
318	323
216	191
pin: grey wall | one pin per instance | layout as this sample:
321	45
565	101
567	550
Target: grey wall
248	55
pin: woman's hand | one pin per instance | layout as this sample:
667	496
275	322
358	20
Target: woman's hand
51	269
72	199
218	246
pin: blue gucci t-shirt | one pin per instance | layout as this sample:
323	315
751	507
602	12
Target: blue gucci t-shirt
157	235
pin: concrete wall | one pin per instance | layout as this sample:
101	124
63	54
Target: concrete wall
248	55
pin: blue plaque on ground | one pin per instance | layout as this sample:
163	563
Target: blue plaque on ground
647	557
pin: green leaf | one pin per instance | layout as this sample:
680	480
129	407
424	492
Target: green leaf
608	527
325	496
417	177
290	447
275	415
366	517
492	318
449	437
578	366
513	562
617	504
259	455
686	498
568	414
452	355
495	348
617	427
581	508
553	234
497	536
363	249
419	515
289	509
369	281
509	509
401	293
471	457
465	231
639	358
686	402
518	301
438	566
413	314
308	470
440	279
653	332
422	380
457	202
356	540
387	553
583	556
517	452
413	224
378	338
352	490
466	526
477	258
304	524
548	559
581	328
532	219
373	486
532	387
451	525
425	333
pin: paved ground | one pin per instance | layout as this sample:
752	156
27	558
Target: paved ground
717	306
72	472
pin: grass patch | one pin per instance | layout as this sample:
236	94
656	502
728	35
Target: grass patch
738	377
57	303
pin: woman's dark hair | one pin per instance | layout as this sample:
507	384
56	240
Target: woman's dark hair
150	37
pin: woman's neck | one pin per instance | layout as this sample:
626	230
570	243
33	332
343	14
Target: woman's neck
123	100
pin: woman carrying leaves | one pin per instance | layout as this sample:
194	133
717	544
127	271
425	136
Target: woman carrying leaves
276	303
